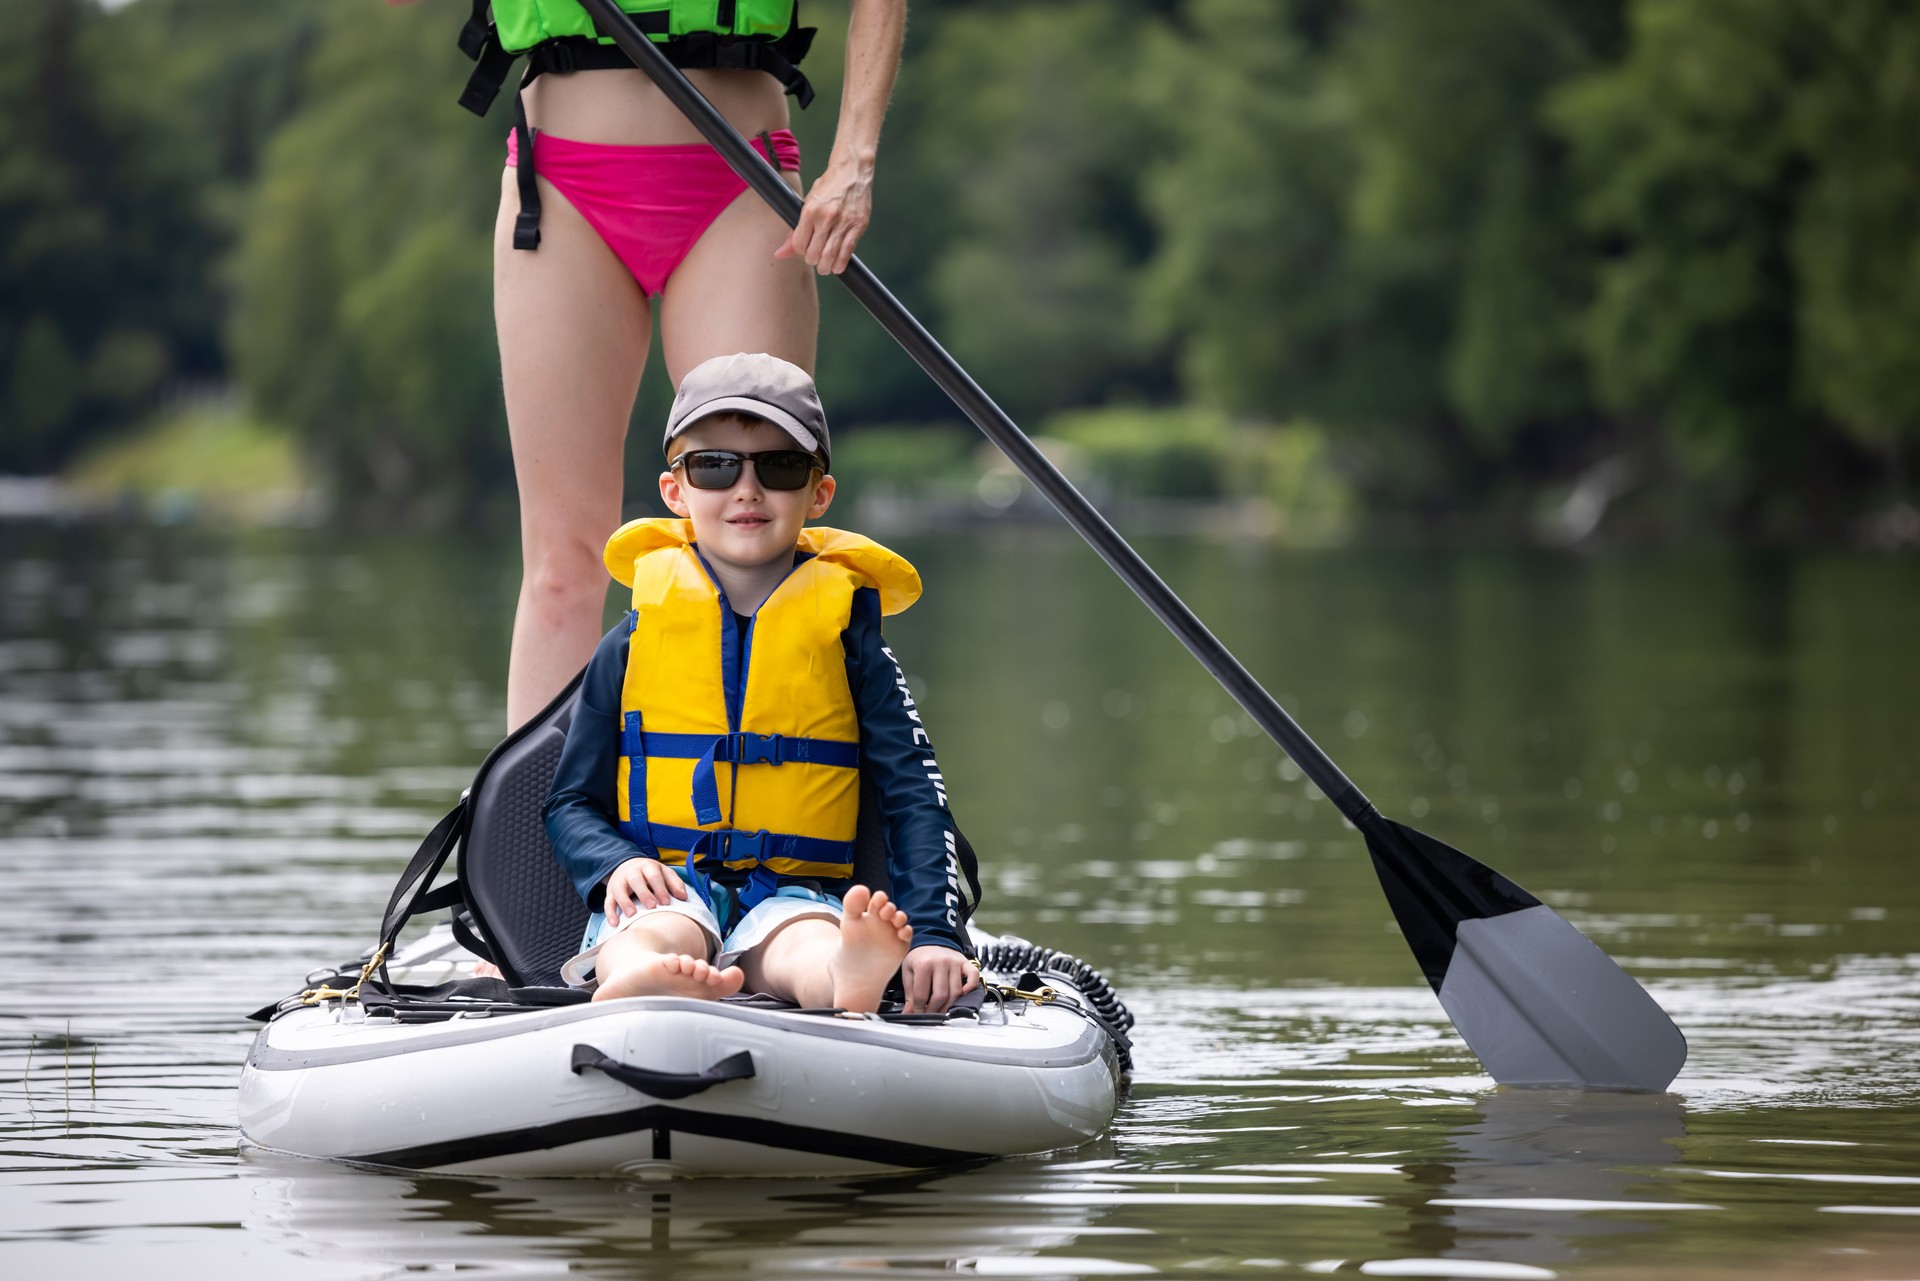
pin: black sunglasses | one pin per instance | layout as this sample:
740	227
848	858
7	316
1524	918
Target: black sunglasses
783	469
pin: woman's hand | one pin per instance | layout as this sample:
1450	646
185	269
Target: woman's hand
638	883
832	220
838	207
935	977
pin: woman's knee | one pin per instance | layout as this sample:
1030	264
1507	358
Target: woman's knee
563	573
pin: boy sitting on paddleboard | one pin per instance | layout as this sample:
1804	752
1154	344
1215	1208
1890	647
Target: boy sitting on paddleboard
707	798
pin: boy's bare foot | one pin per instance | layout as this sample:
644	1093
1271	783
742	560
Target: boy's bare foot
874	939
666	974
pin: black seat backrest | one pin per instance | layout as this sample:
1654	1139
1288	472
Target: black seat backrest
523	904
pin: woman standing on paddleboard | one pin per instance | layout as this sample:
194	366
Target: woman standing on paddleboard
611	205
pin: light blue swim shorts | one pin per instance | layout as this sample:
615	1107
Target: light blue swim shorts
789	903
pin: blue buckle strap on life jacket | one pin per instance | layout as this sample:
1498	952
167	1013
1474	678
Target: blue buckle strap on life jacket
631	741
762	881
744	748
755	749
728	904
696	879
762	884
762	846
706	787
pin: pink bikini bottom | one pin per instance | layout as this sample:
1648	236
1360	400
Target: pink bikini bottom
650	204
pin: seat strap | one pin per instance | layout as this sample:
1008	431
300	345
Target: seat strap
467	937
414	892
415	887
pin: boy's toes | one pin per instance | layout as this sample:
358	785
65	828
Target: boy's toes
874	939
891	915
708	979
672	974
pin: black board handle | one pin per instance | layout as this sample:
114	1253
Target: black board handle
663	1085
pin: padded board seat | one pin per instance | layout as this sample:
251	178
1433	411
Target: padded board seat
521	900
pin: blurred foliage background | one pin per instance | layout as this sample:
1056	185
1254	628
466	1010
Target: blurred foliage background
1522	265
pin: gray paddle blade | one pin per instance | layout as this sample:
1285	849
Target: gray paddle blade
1533	998
1539	1004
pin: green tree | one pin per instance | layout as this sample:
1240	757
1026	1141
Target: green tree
1758	164
1691	175
1464	197
101	285
1855	243
1249	195
1367	220
364	272
217	78
1036	141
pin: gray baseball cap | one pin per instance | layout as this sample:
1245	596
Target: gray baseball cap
755	384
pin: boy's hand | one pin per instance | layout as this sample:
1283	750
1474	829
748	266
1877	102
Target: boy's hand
935	977
638	883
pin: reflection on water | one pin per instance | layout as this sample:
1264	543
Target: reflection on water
215	751
905	1225
1543	1173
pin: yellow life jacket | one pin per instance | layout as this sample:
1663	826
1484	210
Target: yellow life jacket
748	760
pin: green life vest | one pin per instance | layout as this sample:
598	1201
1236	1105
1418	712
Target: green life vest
559	36
522	24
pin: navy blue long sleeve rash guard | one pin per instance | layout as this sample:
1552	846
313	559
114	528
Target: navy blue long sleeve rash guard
895	754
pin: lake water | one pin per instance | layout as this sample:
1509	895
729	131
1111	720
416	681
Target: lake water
217	749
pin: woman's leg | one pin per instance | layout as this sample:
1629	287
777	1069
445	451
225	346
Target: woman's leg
574	329
731	294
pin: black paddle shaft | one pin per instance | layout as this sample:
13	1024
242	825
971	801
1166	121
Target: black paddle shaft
992	420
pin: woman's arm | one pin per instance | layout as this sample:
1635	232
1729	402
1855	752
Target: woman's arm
840	204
